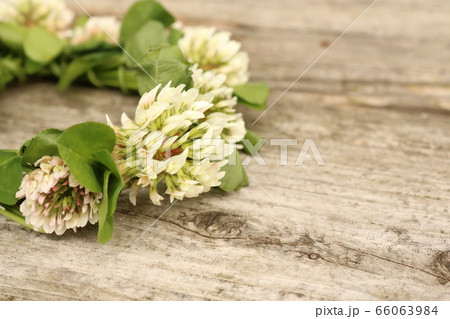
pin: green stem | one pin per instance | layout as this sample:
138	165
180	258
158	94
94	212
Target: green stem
15	217
123	79
93	79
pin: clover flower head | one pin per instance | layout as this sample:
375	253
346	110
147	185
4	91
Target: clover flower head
104	29
171	140
54	200
50	14
193	179
215	51
212	86
233	125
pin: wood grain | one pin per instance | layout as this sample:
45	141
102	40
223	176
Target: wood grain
372	223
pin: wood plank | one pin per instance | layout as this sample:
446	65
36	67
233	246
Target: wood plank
376	106
395	56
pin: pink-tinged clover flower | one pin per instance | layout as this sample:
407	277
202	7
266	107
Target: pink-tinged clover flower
104	29
54	200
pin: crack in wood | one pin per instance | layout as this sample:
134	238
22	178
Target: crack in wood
439	261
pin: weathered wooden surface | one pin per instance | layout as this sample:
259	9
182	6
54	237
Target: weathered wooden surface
377	106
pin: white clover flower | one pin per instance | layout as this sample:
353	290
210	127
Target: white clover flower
233	125
50	14
172	141
212	87
177	25
192	180
54	200
108	32
213	50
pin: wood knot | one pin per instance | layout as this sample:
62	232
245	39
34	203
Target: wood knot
220	224
440	263
310	255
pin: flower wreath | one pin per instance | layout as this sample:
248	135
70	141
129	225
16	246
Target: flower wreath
184	137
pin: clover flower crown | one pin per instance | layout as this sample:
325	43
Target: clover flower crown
183	140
